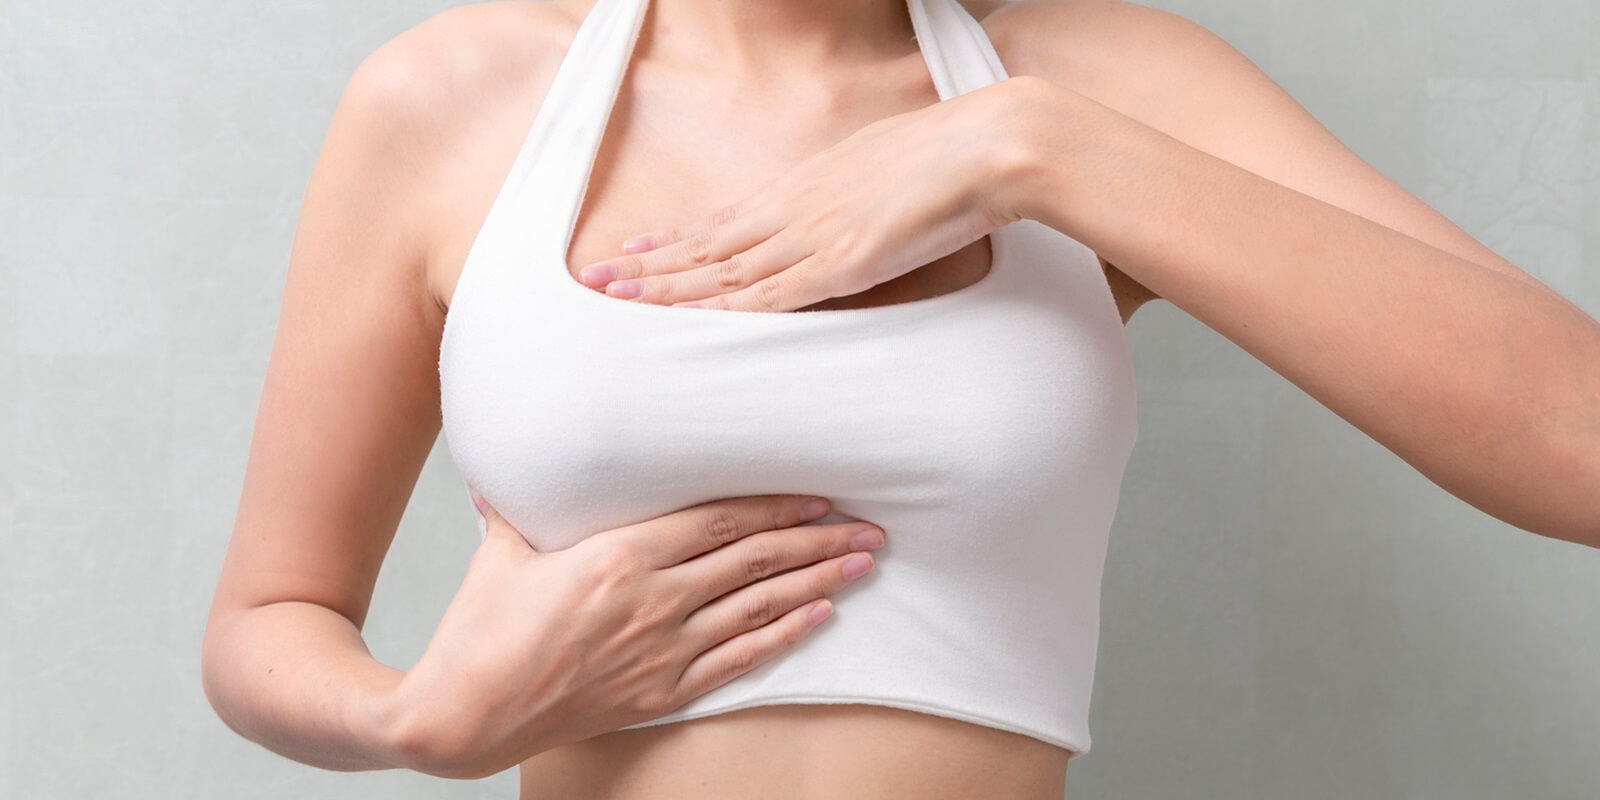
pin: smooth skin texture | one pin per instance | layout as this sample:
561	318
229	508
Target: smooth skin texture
864	211
425	133
348	414
685	135
1481	378
648	616
418	146
1244	212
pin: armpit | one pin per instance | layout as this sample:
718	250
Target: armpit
1129	293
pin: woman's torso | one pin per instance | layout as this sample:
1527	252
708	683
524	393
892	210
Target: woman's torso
649	162
643	167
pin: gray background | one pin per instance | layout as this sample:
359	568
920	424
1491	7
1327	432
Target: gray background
1290	610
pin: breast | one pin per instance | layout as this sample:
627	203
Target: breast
572	423
988	440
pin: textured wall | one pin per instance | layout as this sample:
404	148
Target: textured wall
1290	610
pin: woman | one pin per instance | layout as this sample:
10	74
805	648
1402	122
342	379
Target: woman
569	656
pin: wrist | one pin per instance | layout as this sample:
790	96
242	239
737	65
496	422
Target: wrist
422	732
379	719
1033	155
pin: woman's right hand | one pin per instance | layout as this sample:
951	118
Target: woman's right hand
542	649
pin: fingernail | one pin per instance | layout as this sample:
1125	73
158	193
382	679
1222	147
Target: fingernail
813	509
856	566
869	539
623	288
639	243
596	274
819	612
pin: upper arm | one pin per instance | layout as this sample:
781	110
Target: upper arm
349	408
1176	76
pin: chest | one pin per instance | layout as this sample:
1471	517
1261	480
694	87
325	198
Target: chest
673	153
574	414
651	174
652	182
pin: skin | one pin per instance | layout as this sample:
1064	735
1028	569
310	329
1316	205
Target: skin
456	95
453	98
1227	198
422	138
648	161
642	167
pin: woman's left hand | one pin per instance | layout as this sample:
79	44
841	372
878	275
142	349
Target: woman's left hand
899	193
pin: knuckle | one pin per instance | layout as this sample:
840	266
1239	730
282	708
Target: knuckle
652	612
724	215
768	294
659	700
760	561
785	513
722	526
729	272
741	660
614	562
698	247
661	670
654	287
830	546
827	580
761	610
791	635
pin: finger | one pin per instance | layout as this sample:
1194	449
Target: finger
641	243
752	624
762	555
728	230
498	530
785	290
735	272
762	602
741	654
657	239
681	535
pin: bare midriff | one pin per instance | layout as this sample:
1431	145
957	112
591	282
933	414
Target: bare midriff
802	752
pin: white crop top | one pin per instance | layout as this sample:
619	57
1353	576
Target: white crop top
986	430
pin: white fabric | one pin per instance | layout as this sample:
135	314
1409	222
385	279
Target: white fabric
986	430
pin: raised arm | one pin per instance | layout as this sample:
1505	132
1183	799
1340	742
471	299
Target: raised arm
1169	153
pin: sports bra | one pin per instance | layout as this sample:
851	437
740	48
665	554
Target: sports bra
986	429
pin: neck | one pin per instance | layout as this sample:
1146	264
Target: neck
774	36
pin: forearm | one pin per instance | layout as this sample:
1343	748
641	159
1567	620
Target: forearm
298	679
1487	385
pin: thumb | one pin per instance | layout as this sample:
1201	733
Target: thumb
494	525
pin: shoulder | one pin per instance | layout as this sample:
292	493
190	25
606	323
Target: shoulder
427	107
435	74
1102	43
1160	68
